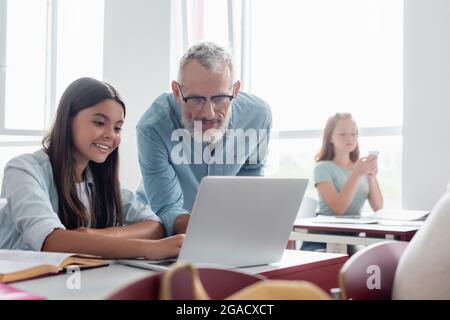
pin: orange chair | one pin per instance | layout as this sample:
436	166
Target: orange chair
369	273
218	283
144	289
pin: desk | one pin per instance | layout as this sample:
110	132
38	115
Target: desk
367	233
319	268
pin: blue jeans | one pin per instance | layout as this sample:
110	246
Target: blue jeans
320	246
313	246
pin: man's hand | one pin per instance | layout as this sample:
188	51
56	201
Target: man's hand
181	222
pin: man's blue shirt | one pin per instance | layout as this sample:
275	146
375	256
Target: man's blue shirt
170	185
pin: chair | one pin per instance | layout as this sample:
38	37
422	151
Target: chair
307	210
144	289
369	273
218	283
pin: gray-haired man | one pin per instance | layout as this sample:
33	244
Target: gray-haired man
206	126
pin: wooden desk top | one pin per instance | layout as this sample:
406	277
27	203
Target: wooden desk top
372	228
100	282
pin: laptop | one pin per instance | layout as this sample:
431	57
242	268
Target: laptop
238	222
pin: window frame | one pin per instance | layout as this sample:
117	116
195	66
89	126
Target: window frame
50	85
2	63
363	132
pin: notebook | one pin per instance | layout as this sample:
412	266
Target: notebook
343	219
383	216
238	222
18	265
399	215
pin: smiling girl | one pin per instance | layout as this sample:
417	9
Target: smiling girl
66	197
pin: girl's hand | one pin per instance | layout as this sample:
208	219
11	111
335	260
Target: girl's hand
164	248
109	232
85	230
374	171
365	166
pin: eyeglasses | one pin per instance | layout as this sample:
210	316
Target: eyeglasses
197	102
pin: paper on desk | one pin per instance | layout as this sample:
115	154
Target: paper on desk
399	215
349	220
401	223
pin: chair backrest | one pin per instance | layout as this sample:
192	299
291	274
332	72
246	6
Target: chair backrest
369	273
218	283
307	208
144	289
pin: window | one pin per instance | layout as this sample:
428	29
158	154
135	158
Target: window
44	45
328	56
80	41
196	21
13	147
310	59
25	73
317	58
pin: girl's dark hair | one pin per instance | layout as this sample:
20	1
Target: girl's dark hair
106	204
327	150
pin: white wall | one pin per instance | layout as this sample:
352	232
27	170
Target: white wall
136	61
426	148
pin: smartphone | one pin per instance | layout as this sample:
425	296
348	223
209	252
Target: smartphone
374	153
